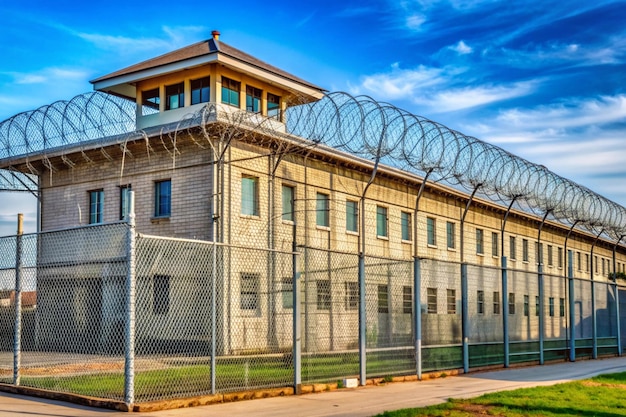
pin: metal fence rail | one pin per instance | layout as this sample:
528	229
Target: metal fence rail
210	318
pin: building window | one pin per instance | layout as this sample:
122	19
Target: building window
451	301
586	262
538	252
551	306
249	291
253	99
525	250
595	262
323	294
160	294
537	305
163	198
250	196
511	303
352	295
494	244
496	302
381	221
550	262
383	299
562	307
352	216
174	96
559	253
480	302
405	220
431	294
407	300
450	235
526	305
287	292
480	249
230	91
322	209
273	106
124	201
579	261
512	248
151	98
603	267
288	206
431	232
96	206
200	90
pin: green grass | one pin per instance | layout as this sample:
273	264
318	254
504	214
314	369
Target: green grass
602	396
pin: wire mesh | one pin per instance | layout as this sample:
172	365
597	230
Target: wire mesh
389	313
330	310
201	304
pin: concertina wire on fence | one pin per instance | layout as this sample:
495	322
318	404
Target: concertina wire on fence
358	125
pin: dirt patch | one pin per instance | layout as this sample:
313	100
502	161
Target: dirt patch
476	409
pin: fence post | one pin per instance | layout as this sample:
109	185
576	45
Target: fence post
17	334
540	294
129	353
362	320
417	307
572	315
297	327
619	335
505	311
213	315
464	317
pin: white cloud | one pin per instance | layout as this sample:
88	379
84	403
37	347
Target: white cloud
175	37
415	21
438	90
462	48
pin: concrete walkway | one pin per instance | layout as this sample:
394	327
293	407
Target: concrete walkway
364	402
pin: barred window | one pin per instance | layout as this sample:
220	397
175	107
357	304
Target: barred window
496	302
287	292
431	294
407	300
249	291
511	303
451	300
161	294
323	294
352	295
480	302
383	299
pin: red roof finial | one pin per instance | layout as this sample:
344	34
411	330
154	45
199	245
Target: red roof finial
216	35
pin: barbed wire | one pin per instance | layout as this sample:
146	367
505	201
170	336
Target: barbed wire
359	125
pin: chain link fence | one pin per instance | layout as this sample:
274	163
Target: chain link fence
208	318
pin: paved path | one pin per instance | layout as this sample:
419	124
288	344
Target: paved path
359	402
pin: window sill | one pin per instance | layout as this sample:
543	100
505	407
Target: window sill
350	232
288	222
250	216
326	228
407	242
451	249
480	254
158	220
432	246
382	237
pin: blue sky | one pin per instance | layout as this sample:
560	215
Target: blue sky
545	80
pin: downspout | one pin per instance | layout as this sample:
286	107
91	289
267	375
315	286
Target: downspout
464	303
619	336
362	316
540	289
503	266
594	316
569	271
417	283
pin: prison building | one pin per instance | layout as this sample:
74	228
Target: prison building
202	137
